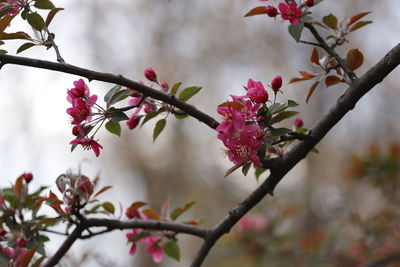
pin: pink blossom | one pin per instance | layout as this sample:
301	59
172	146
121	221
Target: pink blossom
271	11
243	144
150	74
249	110
27	177
133	122
79	112
81	90
12	4
310	2
232	118
276	83
21	242
154	247
252	223
165	86
298	123
290	12
88	144
130	236
256	92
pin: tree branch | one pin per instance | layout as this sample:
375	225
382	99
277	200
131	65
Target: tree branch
331	51
111	78
279	167
86	224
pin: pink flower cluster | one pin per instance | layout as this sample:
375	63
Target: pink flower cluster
240	130
147	105
16	5
289	11
15	255
154	244
81	110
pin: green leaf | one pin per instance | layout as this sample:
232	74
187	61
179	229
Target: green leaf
331	21
51	15
292	104
284	115
109	207
160	125
179	211
118	116
295	31
111	93
175	88
113	127
35	20
24	47
4	22
277	107
118	96
188	92
152	115
44	4
171	248
280	131
259	171
315	150
2	51
307	19
180	116
246	168
139	236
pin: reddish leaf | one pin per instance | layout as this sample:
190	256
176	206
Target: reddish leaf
152	214
39	201
165	208
234	105
354	59
331	80
18	187
56	205
256	11
179	211
136	205
306	74
5	21
315	57
232	169
28	257
359	24
102	190
311	91
51	15
357	17
15	35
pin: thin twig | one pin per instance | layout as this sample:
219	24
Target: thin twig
54	45
114	79
352	76
310	43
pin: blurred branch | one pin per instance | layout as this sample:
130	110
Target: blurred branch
385	261
86	224
112	78
331	51
279	167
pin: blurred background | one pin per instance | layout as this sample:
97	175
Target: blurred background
210	44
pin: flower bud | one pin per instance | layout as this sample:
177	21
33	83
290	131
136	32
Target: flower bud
150	74
310	2
260	118
133	122
21	242
2	232
164	86
276	83
298	123
27	177
271	11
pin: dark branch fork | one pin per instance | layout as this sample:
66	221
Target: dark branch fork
278	167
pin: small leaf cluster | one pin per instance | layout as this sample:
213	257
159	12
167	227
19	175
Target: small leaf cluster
25	9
